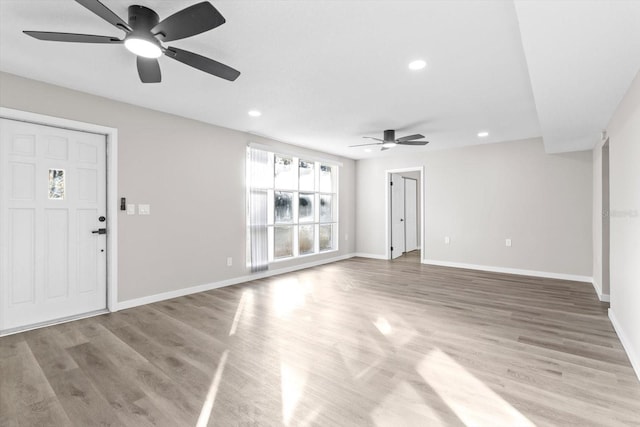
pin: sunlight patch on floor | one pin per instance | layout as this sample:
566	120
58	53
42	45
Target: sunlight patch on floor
404	406
397	331
289	294
239	310
207	407
383	325
293	381
470	399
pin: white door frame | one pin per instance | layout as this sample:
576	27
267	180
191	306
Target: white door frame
111	135
387	198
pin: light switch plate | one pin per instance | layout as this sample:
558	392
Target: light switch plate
447	240
144	210
131	209
507	243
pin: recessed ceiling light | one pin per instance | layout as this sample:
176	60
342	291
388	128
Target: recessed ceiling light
255	113
483	134
418	64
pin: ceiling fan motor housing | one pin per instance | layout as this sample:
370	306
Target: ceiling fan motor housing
389	135
142	18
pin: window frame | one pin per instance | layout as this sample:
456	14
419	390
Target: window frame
295	224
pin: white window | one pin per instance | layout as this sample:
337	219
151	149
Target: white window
302	205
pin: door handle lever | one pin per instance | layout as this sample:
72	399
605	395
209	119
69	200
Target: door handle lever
99	231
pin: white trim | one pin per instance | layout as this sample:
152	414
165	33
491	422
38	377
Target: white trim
21	329
289	152
517	271
634	358
123	305
602	297
372	256
387	209
111	135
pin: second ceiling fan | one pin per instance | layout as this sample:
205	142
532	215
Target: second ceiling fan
389	140
145	34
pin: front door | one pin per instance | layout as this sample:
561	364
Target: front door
52	220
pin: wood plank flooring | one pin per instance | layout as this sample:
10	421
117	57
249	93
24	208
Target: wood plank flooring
355	343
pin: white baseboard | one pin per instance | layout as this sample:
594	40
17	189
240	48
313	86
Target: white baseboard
516	271
373	256
626	344
123	305
602	297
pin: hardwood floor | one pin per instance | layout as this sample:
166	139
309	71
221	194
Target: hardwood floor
358	342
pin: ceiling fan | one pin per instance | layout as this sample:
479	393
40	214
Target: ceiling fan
145	34
390	141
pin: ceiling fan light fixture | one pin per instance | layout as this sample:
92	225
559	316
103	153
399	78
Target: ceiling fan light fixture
142	47
483	134
389	144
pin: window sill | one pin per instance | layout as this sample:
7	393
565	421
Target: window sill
281	260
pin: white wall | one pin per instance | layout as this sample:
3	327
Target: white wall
191	173
481	195
624	170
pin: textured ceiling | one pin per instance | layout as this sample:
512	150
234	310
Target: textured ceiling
326	73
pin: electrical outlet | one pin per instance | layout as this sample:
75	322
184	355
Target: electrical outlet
229	261
447	240
507	243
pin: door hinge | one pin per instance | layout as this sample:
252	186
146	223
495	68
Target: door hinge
392	248
391	183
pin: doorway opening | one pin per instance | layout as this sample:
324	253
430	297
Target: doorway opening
404	189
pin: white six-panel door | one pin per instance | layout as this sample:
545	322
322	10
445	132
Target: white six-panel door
52	195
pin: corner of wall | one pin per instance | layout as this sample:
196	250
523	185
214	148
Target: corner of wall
634	356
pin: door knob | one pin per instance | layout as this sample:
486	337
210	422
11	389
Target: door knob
100	231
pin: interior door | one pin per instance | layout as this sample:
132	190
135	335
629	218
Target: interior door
410	214
397	215
52	216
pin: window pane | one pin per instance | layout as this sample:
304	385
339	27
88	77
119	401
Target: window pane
305	207
307	176
326	211
326	237
285	173
305	239
56	184
283	242
283	206
326	179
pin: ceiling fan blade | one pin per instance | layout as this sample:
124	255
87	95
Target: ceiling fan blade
70	37
412	142
370	137
188	22
364	145
105	13
149	70
202	63
410	138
